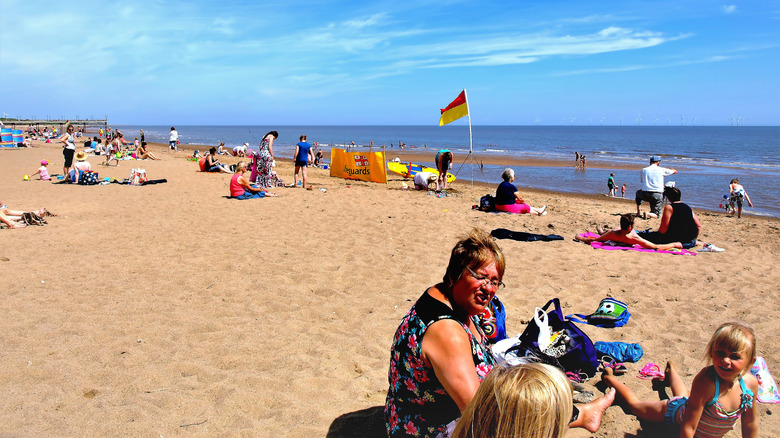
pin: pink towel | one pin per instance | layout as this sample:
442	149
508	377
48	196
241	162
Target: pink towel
617	245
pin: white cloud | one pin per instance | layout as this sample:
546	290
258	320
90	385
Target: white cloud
729	9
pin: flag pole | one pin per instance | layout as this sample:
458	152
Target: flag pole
471	137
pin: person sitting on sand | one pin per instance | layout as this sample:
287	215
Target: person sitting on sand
81	166
530	401
213	164
43	171
678	222
627	235
440	355
508	199
425	181
720	394
240	187
142	153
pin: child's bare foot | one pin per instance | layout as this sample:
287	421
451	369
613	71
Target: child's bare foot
593	412
670	368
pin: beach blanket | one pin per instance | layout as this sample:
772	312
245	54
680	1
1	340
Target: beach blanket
503	233
616	245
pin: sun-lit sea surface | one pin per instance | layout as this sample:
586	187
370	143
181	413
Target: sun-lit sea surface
707	158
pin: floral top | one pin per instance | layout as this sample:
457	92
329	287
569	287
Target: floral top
417	404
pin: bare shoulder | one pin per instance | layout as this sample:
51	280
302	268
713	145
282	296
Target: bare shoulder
751	382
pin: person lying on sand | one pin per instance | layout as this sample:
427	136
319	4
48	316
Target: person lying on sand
13	218
627	235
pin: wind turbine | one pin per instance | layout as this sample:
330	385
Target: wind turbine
601	122
572	121
694	121
639	120
682	119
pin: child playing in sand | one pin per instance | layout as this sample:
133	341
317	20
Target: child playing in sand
720	393
531	400
623	190
43	171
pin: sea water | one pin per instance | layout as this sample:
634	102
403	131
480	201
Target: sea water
706	157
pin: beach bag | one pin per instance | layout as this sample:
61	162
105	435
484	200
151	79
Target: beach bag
202	164
487	203
556	341
611	313
137	177
88	178
492	321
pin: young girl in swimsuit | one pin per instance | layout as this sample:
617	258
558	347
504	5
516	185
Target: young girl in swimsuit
719	395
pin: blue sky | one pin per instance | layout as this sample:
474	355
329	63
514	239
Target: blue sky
375	62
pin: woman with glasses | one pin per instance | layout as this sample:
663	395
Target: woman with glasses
440	355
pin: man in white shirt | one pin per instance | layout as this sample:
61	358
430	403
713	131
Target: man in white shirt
652	179
173	139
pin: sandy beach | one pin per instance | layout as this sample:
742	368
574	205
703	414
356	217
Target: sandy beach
169	310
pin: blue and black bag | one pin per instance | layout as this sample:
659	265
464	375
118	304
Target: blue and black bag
578	354
492	321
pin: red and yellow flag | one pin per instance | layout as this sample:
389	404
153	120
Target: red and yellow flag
455	110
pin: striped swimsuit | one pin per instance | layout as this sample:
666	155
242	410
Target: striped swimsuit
715	421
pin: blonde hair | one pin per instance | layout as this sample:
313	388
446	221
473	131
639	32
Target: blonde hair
528	401
734	337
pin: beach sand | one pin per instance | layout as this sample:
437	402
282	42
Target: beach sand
169	310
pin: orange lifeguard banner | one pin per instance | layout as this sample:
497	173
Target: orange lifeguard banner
363	166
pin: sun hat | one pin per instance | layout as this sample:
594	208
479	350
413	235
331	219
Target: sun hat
44	163
655	158
81	156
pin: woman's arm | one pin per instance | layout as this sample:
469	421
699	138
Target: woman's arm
697	222
448	350
295	155
518	198
245	184
271	146
666	216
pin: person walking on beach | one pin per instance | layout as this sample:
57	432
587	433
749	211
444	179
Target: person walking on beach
265	160
652	179
302	159
443	164
143	137
611	185
173	140
736	195
68	150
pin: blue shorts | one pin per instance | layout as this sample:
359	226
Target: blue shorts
674	405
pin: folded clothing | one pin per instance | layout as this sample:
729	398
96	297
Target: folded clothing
620	351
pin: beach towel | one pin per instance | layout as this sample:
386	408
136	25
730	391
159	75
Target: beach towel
767	388
615	245
503	233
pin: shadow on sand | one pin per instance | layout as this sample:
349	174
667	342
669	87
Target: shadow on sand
368	423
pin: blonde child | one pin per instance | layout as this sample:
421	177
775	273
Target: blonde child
623	190
531	401
720	394
43	171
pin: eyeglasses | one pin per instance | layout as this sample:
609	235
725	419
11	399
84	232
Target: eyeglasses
485	280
